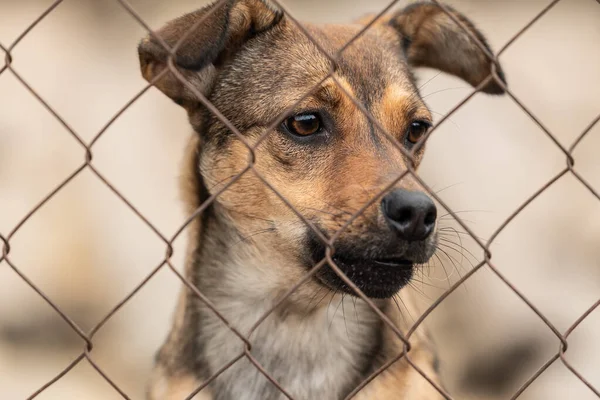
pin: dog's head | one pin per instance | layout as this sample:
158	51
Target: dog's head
326	157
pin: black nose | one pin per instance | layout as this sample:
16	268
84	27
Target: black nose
411	215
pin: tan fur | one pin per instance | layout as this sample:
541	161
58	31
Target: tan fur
249	247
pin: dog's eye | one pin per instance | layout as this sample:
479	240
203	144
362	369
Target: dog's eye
304	124
417	130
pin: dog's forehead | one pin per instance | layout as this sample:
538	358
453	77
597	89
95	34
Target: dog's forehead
370	58
279	67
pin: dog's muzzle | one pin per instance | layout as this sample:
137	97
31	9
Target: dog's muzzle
383	261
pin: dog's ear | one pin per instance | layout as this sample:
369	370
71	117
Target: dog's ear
226	26
431	38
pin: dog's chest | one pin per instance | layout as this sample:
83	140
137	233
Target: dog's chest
319	356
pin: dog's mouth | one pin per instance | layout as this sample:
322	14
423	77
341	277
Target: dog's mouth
375	277
379	265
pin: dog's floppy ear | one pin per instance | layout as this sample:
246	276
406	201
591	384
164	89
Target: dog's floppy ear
431	38
226	26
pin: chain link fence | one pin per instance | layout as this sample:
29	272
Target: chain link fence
485	258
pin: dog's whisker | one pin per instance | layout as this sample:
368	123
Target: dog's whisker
327	291
451	120
445	243
455	246
355	312
405	307
334	311
465	235
422	281
446	231
448	187
424	269
443	268
428	284
428	81
427	280
445	90
460	252
344	316
463	212
422	292
461	244
453	261
245	238
398	307
312	298
448	218
429	267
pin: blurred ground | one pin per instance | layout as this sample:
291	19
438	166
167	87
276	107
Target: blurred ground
87	250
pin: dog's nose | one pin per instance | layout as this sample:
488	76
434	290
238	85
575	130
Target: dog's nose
411	215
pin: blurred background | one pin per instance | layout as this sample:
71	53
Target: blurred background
87	250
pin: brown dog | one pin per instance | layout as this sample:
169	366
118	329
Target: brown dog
328	160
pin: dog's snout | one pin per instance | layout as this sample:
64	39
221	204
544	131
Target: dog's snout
411	215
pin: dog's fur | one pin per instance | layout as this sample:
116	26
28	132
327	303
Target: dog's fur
248	247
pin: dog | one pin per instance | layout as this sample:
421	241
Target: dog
326	161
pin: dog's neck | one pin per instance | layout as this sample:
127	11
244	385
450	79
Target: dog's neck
317	344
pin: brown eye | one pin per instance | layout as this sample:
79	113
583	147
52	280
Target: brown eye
417	130
304	124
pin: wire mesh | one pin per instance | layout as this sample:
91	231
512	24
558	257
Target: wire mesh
87	338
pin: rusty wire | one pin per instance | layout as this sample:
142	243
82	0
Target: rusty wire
328	242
